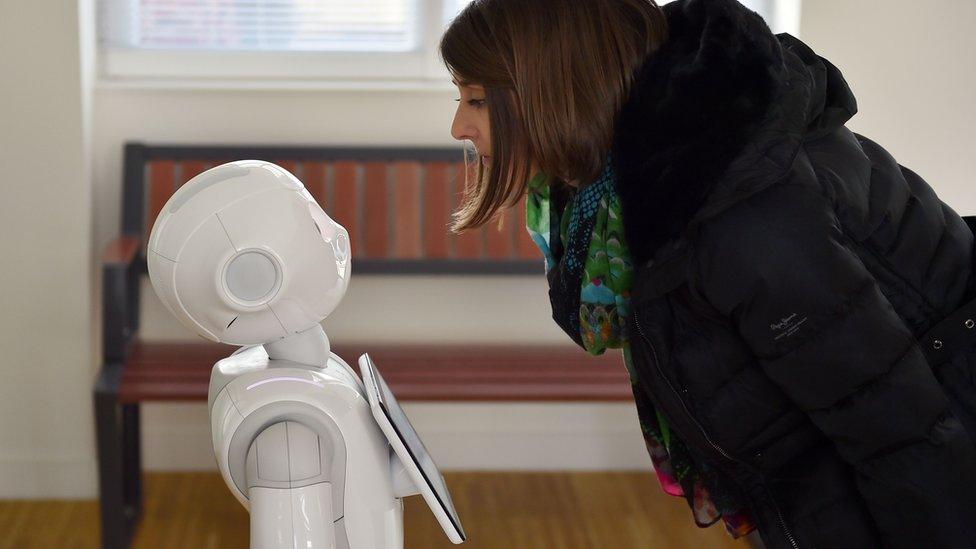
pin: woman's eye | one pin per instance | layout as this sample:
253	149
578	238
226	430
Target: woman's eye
476	103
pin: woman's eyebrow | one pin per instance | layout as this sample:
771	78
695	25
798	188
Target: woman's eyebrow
467	85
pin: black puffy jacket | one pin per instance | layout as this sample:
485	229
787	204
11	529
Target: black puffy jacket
786	268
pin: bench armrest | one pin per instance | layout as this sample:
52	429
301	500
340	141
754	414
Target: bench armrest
120	252
120	296
971	221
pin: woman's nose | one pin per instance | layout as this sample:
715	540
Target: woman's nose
461	129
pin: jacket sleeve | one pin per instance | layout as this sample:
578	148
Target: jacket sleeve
782	270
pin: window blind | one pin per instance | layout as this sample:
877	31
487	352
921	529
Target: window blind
261	25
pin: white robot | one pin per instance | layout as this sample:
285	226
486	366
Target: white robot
242	254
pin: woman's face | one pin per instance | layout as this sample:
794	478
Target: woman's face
471	119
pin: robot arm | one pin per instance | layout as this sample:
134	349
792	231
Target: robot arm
289	489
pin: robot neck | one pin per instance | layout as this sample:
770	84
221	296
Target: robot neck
310	347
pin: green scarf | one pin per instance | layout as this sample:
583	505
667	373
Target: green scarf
580	233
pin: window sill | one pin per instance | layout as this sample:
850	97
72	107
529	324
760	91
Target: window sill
194	84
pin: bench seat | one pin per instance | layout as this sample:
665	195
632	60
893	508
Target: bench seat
181	372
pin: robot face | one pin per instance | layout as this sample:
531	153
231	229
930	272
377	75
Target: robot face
243	254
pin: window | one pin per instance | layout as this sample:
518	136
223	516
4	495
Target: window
453	7
294	40
263	25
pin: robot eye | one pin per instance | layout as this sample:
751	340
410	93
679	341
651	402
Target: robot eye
341	247
252	277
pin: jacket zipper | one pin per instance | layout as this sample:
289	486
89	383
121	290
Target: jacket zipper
779	514
704	433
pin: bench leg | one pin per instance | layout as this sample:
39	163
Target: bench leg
119	467
132	458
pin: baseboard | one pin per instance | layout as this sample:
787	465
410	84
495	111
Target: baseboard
51	478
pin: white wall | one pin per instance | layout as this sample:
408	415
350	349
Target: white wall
908	62
46	435
911	67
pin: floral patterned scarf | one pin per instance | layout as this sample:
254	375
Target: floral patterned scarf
580	233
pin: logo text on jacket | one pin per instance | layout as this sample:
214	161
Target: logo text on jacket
787	326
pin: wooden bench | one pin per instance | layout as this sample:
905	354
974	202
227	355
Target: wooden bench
410	190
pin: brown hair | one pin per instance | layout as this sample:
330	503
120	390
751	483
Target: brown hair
555	73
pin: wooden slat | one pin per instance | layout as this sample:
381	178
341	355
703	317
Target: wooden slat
121	251
345	203
314	178
468	244
376	226
181	371
193	168
407	241
499	238
161	185
526	247
436	210
515	219
290	166
375	211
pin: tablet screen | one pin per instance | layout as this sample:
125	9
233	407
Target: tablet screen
408	436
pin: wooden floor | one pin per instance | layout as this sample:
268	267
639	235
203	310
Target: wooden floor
498	511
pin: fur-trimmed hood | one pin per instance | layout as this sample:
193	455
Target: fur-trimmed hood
714	115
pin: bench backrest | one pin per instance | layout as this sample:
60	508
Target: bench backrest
395	203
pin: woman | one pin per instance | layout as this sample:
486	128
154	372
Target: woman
768	273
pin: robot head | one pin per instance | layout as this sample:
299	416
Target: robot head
242	254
